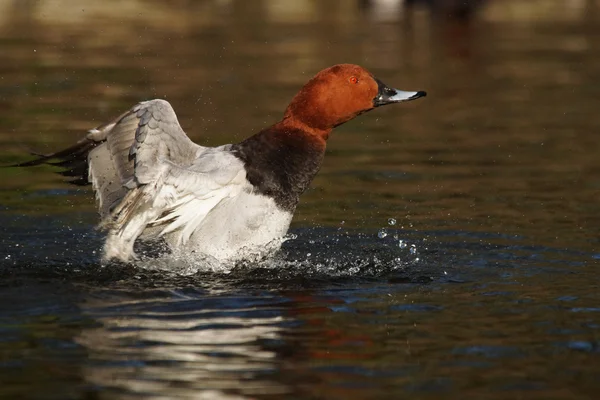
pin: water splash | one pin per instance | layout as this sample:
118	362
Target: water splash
413	249
311	254
402	244
315	253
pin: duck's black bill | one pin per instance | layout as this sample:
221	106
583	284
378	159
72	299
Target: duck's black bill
387	95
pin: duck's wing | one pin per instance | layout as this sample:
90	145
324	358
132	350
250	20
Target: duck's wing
176	203
124	154
73	161
188	194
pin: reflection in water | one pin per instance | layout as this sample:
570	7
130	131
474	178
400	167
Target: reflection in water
530	330
183	346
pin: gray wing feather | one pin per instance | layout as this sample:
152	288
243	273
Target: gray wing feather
125	153
107	184
146	135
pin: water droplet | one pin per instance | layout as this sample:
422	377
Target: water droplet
391	221
382	233
401	244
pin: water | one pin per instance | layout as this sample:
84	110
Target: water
483	283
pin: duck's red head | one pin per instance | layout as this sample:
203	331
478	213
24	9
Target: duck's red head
338	94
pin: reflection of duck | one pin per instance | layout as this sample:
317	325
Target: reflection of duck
152	181
208	347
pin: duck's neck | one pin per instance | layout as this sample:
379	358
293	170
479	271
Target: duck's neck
289	122
282	160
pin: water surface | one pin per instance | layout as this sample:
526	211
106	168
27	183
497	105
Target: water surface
448	247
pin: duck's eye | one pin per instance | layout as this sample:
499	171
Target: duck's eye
353	80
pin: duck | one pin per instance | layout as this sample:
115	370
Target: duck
152	182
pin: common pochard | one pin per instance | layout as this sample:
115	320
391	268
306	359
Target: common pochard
151	181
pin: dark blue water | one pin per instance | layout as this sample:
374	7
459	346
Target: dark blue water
345	315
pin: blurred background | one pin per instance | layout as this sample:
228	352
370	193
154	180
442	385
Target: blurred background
472	275
506	139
